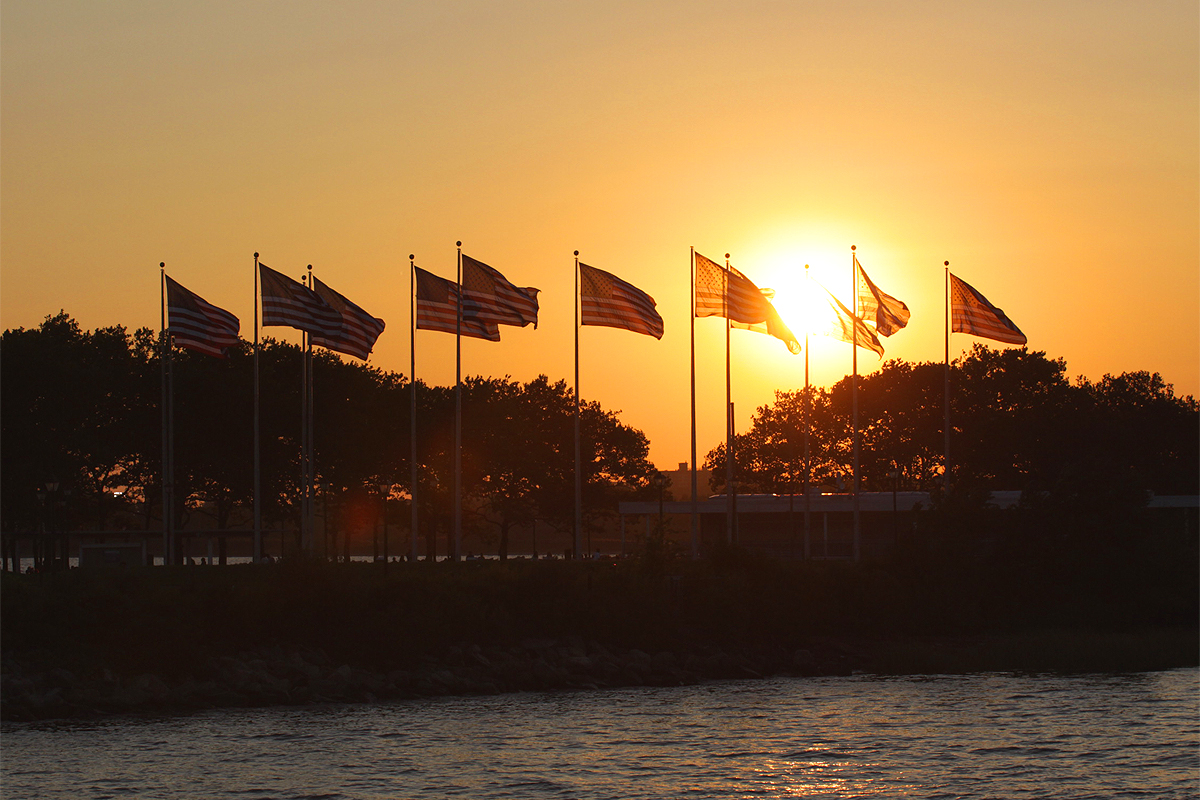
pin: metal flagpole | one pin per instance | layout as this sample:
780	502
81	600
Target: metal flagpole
946	421
695	498
312	440
579	458
458	414
412	410
807	420
310	540
854	394
304	432
165	346
729	496
176	555
258	540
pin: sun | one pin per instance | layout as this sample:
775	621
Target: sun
799	286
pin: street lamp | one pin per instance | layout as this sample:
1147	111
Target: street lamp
384	490
660	480
895	476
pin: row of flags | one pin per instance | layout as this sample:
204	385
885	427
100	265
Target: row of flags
490	300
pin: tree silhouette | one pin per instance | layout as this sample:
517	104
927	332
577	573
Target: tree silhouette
1018	423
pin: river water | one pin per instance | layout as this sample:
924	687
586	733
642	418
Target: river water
972	736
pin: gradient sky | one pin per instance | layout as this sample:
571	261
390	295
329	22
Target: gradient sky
1048	150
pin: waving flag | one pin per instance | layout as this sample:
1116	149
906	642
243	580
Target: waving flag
437	309
847	327
879	308
292	304
722	292
499	301
359	329
197	324
607	300
970	312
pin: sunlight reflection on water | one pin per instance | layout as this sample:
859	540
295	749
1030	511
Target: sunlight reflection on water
952	736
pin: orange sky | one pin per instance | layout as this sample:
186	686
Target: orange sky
1049	150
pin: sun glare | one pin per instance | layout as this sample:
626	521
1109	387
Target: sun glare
799	298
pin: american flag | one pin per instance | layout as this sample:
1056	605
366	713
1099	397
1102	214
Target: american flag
437	309
849	328
359	329
725	292
607	300
499	301
879	308
970	312
197	324
286	302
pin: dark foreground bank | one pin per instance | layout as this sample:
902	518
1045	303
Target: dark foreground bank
83	643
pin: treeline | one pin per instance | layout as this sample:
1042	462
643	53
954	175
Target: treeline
1017	423
82	409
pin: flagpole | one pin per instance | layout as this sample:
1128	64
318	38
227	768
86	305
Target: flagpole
166	500
807	420
310	544
946	393
312	439
458	412
578	455
729	497
854	394
258	542
412	415
695	488
303	431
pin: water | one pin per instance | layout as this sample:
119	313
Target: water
976	736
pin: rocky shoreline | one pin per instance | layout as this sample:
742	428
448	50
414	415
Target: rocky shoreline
273	677
93	643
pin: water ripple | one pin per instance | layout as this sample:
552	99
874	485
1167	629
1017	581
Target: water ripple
974	736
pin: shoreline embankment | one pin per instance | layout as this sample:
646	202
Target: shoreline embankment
89	643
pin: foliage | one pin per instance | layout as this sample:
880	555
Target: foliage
84	409
1018	424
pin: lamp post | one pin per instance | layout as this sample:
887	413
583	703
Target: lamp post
660	480
38	541
384	490
45	551
895	476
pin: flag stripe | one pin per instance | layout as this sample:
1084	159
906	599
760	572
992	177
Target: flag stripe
499	300
849	328
878	308
970	312
289	303
438	311
359	329
609	301
197	324
725	292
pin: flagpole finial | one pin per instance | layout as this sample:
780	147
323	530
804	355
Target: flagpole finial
577	253
727	255
947	263
852	247
256	255
162	265
458	244
412	257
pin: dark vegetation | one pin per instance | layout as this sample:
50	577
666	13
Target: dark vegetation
82	409
88	641
1080	576
1017	423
